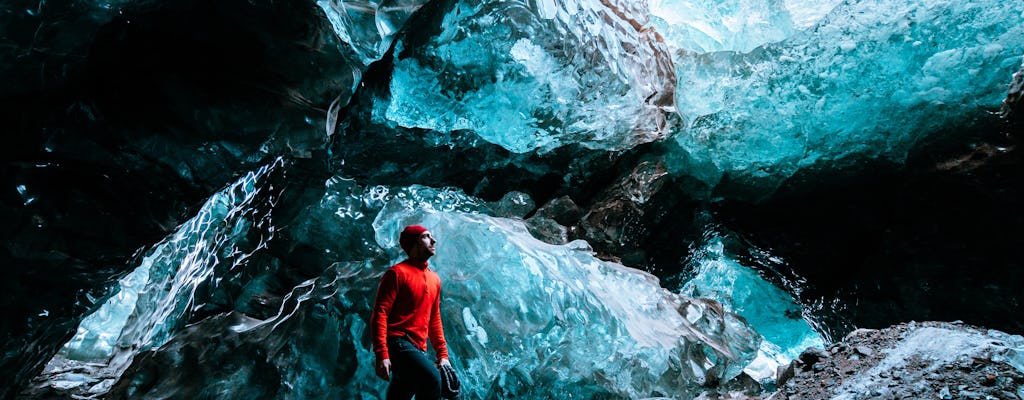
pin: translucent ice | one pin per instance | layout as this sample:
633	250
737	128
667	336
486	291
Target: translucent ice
772	312
535	76
738	25
527	318
871	80
368	27
522	317
156	300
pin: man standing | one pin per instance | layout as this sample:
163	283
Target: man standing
406	312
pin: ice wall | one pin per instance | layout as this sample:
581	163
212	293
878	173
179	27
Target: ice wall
368	28
733	25
535	76
174	281
870	81
769	310
526	318
522	317
749	91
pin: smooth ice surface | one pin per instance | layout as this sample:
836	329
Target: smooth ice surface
155	300
98	333
872	79
368	27
535	76
772	312
805	14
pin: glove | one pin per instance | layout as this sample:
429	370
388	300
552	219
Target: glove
450	386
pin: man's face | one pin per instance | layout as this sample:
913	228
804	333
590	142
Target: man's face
423	248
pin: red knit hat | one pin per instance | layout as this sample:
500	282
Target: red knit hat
410	234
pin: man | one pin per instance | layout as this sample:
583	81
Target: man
405	313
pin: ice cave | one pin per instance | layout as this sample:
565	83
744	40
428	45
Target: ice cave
632	199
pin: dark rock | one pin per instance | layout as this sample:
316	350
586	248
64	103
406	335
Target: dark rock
561	209
555	221
812	355
743	383
909	375
513	205
547	230
859	333
784	373
613	223
864	350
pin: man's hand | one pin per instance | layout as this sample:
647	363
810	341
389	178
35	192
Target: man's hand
444	361
384	369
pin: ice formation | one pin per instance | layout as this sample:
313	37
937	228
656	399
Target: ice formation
537	76
769	310
871	80
533	319
172	283
744	92
523	317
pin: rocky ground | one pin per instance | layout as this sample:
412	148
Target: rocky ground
916	360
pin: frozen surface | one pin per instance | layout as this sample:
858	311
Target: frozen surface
750	91
538	75
737	25
522	317
526	318
769	310
872	79
368	27
156	299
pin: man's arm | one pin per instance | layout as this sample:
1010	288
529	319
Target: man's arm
436	331
386	293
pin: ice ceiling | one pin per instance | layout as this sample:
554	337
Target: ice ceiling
572	157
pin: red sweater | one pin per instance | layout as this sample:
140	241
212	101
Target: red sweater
408	304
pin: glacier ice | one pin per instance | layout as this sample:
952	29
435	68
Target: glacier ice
769	310
869	81
368	27
527	318
750	92
764	88
522	317
173	282
537	76
733	25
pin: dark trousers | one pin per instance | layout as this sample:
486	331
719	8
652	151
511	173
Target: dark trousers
411	372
